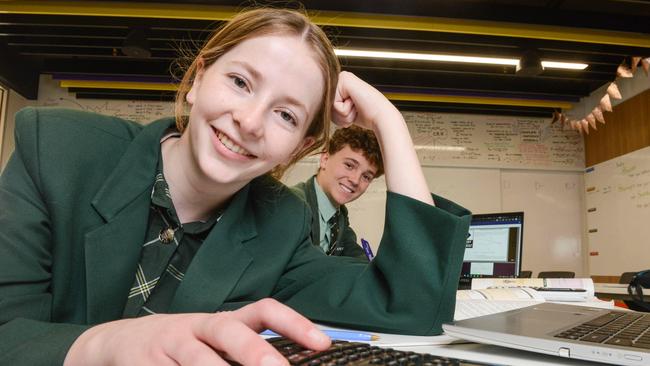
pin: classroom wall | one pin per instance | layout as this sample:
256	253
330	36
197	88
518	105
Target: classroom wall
505	164
617	196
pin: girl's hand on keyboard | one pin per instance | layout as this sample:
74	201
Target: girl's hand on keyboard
196	338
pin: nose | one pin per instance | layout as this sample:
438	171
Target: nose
250	119
355	178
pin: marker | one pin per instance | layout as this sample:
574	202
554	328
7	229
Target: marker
367	249
342	335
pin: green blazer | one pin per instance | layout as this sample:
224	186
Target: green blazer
347	238
74	202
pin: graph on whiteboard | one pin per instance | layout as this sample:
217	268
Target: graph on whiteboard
494	141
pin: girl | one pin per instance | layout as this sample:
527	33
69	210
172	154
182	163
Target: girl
124	244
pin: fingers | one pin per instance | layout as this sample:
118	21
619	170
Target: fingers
195	353
237	341
343	111
268	313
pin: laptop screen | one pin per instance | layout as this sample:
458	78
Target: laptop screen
493	247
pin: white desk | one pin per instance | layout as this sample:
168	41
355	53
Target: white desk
495	355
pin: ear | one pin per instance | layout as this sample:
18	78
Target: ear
323	159
190	97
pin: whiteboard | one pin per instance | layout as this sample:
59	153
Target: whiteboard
552	205
51	95
618	214
494	142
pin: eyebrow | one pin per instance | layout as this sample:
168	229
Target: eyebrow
257	75
373	172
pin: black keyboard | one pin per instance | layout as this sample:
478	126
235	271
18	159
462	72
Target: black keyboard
357	354
616	327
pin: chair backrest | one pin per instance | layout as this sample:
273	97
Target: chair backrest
626	277
556	274
525	274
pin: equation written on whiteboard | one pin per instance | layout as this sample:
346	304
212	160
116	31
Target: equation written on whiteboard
494	142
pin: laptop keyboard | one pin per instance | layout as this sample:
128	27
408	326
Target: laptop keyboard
616	328
357	354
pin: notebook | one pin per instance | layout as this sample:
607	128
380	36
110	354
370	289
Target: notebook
585	333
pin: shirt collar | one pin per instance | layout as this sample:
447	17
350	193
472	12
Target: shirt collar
160	196
325	206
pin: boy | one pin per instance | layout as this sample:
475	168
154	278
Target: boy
352	160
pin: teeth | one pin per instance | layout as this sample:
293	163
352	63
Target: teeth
231	145
346	188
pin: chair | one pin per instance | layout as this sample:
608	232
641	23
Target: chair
626	277
525	274
556	274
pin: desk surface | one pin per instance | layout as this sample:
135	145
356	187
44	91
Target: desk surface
494	354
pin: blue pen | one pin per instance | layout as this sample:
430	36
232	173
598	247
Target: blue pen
367	249
343	335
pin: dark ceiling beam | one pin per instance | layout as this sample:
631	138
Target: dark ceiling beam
474	109
18	74
483	82
102	67
333	18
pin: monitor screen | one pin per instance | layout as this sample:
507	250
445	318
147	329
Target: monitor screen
493	247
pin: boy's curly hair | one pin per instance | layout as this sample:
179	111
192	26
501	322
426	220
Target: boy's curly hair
360	140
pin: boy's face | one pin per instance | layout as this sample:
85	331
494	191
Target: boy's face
345	175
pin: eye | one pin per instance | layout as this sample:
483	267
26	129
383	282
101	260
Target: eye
239	82
348	165
367	178
288	117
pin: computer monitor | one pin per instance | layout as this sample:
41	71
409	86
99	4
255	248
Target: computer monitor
494	244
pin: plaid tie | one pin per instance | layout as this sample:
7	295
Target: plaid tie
334	232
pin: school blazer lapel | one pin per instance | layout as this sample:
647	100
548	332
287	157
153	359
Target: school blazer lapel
312	201
112	250
221	261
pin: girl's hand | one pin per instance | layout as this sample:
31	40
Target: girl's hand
196	339
357	102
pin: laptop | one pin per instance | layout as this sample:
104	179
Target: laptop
593	334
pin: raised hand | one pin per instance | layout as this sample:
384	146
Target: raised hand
357	102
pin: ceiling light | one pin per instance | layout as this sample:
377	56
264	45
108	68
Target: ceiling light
564	65
425	57
450	58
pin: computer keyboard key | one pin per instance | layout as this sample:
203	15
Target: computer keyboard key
359	354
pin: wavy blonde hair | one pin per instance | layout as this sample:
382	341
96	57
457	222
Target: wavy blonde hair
266	21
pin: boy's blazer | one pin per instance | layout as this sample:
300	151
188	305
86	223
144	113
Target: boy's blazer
347	238
74	201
